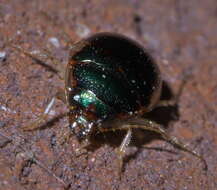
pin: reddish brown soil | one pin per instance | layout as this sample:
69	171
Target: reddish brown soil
181	35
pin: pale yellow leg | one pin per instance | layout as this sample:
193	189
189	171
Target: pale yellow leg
122	149
175	100
152	126
37	123
53	22
59	69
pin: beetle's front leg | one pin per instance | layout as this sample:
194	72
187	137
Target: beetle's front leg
36	124
122	149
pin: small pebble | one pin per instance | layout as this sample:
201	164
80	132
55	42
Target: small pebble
2	55
54	41
82	30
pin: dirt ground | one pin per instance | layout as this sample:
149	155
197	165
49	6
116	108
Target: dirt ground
181	36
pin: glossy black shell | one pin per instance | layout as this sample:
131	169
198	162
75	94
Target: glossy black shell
120	75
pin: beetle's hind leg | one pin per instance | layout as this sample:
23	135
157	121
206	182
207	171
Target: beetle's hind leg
175	100
152	126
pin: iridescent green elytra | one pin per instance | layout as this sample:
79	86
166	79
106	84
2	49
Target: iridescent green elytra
87	98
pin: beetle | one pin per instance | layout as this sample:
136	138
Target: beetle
111	81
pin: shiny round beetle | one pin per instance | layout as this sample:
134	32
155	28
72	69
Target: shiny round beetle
110	83
108	78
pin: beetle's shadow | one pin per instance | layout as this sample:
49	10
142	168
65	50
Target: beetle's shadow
162	115
166	114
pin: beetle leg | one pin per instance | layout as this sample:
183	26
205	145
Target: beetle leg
63	31
60	95
39	56
82	150
175	100
122	149
36	124
166	103
152	126
41	119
